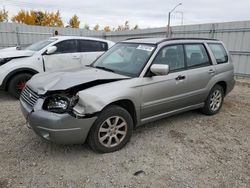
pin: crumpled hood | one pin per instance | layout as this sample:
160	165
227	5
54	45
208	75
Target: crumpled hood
15	53
53	81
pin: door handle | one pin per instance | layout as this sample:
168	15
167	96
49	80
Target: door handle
76	57
211	71
180	77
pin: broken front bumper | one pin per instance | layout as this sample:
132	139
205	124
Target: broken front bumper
57	128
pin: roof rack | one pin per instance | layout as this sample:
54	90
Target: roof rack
169	39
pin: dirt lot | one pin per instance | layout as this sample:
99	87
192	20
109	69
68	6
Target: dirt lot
187	150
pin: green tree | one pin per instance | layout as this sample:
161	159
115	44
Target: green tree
74	22
107	29
119	28
126	26
25	17
86	26
136	27
3	15
38	18
55	19
96	27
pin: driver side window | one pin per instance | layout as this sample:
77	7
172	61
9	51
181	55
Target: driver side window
173	56
67	46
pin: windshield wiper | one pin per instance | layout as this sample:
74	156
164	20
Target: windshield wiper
104	68
89	65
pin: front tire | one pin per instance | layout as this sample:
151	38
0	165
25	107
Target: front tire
111	131
214	101
17	84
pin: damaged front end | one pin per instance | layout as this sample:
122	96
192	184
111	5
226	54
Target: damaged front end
60	103
67	101
61	116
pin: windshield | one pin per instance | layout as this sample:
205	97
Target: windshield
40	45
125	58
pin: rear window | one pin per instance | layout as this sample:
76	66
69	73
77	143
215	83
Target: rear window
92	46
196	55
219	52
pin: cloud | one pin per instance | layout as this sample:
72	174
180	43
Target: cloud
145	13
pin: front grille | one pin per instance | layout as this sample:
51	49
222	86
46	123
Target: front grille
29	96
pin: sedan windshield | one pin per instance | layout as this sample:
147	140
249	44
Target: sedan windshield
125	58
40	45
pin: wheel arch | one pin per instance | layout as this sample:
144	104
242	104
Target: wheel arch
14	73
129	106
223	84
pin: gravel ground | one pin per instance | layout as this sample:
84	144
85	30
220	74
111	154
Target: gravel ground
186	150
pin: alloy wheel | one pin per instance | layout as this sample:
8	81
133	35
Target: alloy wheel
112	131
216	100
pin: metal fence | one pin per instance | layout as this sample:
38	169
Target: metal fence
12	34
236	36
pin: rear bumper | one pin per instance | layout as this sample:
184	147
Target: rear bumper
57	128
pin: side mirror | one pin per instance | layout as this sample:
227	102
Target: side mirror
159	70
51	50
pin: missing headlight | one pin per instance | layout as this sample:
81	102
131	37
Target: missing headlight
57	104
60	103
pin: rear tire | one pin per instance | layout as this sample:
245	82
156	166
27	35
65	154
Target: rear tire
111	131
214	101
17	84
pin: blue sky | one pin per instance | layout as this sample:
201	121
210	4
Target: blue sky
145	13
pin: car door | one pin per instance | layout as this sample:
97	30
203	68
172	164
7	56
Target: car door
200	71
65	57
90	50
163	94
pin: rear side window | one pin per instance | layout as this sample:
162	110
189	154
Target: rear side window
196	55
92	46
219	52
67	46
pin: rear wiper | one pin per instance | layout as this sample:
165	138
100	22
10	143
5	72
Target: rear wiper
104	68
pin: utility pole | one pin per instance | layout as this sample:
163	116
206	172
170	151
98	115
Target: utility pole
169	16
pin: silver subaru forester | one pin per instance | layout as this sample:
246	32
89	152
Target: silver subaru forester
135	82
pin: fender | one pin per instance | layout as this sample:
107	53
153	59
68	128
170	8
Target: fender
15	72
91	102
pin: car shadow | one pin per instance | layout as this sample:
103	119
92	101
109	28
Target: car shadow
6	96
